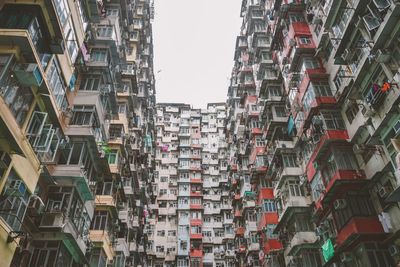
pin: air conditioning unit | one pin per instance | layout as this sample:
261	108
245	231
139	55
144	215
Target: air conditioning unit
345	257
28	74
339	204
393	250
383	192
292	42
359	148
16	188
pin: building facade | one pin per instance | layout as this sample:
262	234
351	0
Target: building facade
77	127
313	115
300	166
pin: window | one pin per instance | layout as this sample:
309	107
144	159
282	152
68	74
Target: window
195	230
163	192
260	142
294	188
122	108
161	233
112	156
310	63
317	186
254	124
57	85
98	258
45	253
321	88
70	37
105	31
311	258
333	120
14	205
18	99
171	233
84	115
101	220
159	249
270	231
289	160
280	111
183	263
304	40
82	13
183	245
296	17
91	83
99	55
112	12
357	205
351	112
269	205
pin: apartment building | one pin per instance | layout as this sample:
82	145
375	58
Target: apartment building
321	160
192	221
77	127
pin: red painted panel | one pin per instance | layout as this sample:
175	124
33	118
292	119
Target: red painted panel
323	100
266	193
267	218
256	131
360	225
271	245
300	28
196	253
196	222
329	135
196	206
240	231
196	236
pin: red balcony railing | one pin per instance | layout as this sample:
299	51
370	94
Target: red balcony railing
322	146
342	181
359	226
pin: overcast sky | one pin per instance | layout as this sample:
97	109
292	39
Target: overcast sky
194	42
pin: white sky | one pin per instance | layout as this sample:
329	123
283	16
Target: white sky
194	42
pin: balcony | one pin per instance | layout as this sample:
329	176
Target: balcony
73	175
67	231
196	206
254	247
299	241
342	180
239	231
196	236
102	237
358	226
105	200
196	193
324	142
122	246
196	253
247	204
291	204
